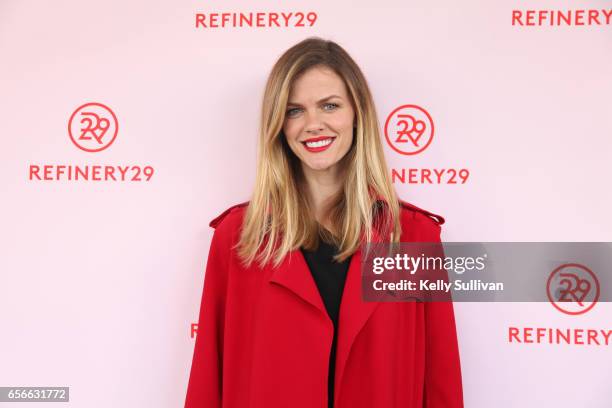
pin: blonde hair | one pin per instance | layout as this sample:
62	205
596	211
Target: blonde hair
279	217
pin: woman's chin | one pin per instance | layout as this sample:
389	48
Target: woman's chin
321	165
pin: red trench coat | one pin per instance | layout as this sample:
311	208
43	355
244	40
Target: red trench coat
264	335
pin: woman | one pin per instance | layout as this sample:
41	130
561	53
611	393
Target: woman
282	322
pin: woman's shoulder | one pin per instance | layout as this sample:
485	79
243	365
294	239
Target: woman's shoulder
232	212
411	212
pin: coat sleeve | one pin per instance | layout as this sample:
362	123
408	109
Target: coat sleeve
206	378
443	384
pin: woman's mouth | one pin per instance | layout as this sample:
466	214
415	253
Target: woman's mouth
318	144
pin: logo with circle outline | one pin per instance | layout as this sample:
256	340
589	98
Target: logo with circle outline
409	129
572	288
93	127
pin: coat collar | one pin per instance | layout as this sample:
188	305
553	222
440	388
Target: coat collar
294	274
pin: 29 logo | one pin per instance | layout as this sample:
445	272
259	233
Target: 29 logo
93	127
409	129
572	289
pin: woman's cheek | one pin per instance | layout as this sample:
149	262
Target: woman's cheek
290	132
343	122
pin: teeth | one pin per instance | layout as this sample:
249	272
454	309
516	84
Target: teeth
320	143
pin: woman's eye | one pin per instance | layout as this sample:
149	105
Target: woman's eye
333	105
327	106
290	111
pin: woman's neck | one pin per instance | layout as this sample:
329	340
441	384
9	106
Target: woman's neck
322	186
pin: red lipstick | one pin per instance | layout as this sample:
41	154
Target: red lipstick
321	143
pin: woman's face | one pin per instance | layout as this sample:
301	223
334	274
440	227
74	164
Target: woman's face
319	119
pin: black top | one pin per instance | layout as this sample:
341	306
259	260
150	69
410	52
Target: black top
329	276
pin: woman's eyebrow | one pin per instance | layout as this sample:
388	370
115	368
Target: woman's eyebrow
319	101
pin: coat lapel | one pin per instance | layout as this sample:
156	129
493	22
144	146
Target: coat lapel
294	274
354	313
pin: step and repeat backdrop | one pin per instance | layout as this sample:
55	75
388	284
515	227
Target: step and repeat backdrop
127	126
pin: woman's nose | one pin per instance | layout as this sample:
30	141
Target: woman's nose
313	122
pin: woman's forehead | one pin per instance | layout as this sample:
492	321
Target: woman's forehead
315	85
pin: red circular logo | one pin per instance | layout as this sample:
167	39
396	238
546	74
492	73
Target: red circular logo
572	289
93	127
409	129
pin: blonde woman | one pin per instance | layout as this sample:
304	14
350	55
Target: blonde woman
282	322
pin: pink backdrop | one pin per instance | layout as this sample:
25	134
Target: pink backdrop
100	281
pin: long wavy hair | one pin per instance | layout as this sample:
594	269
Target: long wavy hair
279	217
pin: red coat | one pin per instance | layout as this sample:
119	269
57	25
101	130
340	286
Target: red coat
264	335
